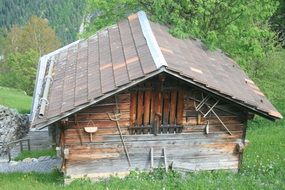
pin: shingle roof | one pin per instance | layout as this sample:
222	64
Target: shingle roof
131	51
216	70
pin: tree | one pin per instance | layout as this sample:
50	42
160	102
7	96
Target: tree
238	27
277	22
23	47
64	16
2	41
20	71
104	13
36	35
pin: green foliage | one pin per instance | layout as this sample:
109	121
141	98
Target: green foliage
64	16
16	99
105	13
277	21
35	154
19	71
2	40
239	27
36	35
271	80
23	47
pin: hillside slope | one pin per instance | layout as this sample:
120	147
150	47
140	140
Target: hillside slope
16	99
64	16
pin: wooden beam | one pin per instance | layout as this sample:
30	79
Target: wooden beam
151	158
173	107
158	111
147	102
180	107
152	109
133	105
140	108
166	108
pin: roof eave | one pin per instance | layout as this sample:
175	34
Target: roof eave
118	90
251	108
135	82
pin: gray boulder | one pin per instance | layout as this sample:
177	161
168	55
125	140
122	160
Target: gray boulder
13	126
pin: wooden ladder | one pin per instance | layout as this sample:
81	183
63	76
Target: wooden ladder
162	156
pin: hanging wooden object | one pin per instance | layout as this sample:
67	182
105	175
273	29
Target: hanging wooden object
90	129
199	119
207	128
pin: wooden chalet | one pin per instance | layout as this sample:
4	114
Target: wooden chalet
134	97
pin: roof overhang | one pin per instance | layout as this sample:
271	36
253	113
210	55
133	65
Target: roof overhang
228	98
150	75
120	89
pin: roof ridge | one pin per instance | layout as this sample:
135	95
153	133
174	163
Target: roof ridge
152	44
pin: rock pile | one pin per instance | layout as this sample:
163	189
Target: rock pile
13	126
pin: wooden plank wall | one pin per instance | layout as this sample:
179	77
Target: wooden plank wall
191	150
75	134
235	120
39	140
194	151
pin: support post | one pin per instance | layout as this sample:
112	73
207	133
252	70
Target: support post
21	146
151	158
165	159
29	145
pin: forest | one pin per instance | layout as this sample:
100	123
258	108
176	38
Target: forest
64	17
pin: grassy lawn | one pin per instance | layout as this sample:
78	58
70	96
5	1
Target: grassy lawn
14	98
263	164
35	154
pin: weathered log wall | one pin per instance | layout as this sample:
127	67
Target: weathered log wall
194	151
190	150
74	134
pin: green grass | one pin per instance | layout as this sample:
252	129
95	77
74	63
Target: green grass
16	99
35	154
263	164
28	181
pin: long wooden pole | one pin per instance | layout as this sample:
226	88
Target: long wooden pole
116	119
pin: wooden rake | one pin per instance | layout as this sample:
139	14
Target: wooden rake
116	117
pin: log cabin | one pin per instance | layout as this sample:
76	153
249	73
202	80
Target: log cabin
134	97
